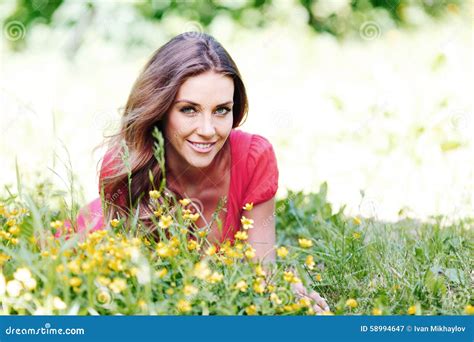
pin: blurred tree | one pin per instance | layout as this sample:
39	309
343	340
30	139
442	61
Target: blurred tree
336	17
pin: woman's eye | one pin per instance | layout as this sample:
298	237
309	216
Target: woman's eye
187	110
223	110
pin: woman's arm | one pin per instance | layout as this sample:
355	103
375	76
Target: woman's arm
262	235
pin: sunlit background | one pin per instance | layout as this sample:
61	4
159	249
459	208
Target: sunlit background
366	95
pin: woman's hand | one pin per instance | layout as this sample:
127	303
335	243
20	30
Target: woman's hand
319	305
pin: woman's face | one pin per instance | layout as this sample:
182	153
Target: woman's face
200	120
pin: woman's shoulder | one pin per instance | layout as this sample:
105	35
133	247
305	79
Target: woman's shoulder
253	145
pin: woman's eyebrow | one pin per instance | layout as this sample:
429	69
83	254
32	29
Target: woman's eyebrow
198	105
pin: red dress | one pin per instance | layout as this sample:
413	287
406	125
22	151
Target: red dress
253	178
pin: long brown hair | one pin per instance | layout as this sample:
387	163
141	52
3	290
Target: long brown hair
151	98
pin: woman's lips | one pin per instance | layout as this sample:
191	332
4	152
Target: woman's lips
201	147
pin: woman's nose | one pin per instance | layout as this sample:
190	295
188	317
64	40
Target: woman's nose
206	126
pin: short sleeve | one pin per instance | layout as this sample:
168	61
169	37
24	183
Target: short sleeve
262	171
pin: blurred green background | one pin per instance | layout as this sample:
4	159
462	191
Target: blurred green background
368	95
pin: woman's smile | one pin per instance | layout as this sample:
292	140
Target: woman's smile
201	147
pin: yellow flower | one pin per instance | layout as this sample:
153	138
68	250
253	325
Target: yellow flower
304	302
376	312
275	299
12	222
56	224
469	309
259	286
309	262
201	270
183	306
412	310
241	285
250	253
58	304
259	271
165	221
75	282
190	290
14	230
161	273
184	202
158	212
169	291
202	233
241	235
282	252
357	220
351	303
155	194
14	288
248	206
290	277
251	310
118	285
211	250
356	235
246	222
305	243
114	223
194	217
318	277
215	277
193	245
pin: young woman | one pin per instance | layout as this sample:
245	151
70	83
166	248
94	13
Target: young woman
192	91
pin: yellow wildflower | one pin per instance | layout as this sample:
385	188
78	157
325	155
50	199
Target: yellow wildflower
412	310
304	302
357	220
183	306
12	222
22	274
165	221
211	250
305	243
155	194
56	224
250	253
259	286
185	201
241	235
376	312
275	299
75	282
114	223
194	217
215	277
282	252
193	245
290	277
161	273
241	286
190	290
14	230
118	285
351	303
251	310
356	235
158	212
318	277
259	271
246	223
469	309
309	262
248	206
201	270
